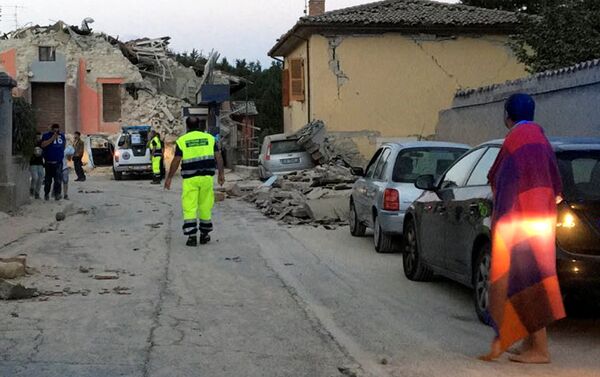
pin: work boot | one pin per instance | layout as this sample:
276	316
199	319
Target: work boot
66	197
192	241
31	192
204	239
37	196
46	197
155	182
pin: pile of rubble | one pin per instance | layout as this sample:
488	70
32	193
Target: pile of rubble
319	196
160	111
327	148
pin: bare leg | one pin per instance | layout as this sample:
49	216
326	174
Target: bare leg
495	352
537	353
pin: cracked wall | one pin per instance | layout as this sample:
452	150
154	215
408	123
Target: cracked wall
335	64
396	84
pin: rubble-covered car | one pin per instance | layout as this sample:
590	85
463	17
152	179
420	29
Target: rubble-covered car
384	192
132	155
281	154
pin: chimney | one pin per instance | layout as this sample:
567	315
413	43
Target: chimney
316	7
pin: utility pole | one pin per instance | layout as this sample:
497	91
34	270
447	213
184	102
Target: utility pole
15	13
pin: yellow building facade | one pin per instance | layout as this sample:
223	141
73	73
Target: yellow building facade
385	84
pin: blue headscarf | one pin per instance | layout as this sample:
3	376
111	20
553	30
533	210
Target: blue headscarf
520	107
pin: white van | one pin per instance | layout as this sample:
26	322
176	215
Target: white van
132	155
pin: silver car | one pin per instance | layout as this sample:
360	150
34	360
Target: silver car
281	154
386	188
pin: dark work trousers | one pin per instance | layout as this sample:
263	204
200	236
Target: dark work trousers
53	173
78	167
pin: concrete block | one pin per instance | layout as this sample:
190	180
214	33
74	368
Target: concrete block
11	270
335	208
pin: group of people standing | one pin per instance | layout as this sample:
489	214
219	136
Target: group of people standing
49	163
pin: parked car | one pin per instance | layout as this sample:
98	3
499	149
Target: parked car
132	155
448	227
381	196
281	154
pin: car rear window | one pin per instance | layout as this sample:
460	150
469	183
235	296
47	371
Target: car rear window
285	146
580	173
133	140
411	163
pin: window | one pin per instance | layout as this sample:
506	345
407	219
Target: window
413	162
286	146
111	102
580	173
285	87
47	54
373	164
457	175
479	177
382	164
297	80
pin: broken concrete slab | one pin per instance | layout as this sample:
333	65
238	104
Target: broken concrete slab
328	209
106	276
10	291
11	270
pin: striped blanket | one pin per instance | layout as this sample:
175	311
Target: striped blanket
524	291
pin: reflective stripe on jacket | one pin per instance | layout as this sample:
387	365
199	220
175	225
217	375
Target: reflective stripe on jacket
156	146
198	158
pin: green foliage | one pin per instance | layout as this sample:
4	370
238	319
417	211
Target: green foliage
24	128
563	35
563	32
194	59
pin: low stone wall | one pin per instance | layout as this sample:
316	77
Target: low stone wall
568	104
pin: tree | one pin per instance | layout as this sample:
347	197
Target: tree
565	34
560	34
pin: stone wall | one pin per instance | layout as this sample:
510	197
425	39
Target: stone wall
567	104
14	183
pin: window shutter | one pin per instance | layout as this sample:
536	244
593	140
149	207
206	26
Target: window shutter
297	79
285	88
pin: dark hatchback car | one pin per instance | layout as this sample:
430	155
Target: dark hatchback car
447	229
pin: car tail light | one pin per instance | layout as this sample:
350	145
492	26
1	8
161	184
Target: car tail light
117	156
268	154
391	200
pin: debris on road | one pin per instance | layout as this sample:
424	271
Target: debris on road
84	270
316	196
234	259
60	216
10	291
155	225
106	276
11	270
122	290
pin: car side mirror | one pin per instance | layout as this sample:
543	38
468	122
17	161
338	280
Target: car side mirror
426	182
358	172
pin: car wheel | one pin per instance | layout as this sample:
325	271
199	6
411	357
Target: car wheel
481	282
384	243
118	175
357	229
414	268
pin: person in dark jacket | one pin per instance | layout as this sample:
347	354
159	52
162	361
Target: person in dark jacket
53	144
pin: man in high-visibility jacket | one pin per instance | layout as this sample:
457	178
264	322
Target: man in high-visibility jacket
156	154
199	156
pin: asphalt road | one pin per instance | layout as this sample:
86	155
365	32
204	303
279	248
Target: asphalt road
260	300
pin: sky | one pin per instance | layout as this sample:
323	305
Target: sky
238	29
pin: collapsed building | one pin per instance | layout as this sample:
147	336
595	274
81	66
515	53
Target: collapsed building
93	83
